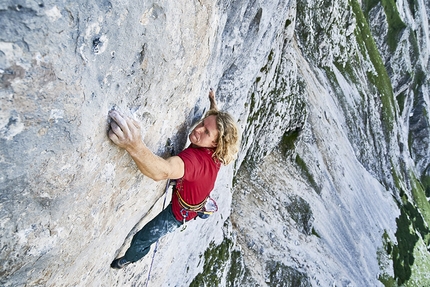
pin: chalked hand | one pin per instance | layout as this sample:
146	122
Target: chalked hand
124	131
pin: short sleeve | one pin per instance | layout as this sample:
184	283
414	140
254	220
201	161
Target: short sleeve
192	160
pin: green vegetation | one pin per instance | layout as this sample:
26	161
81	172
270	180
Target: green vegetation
387	280
413	5
288	141
236	269
314	232
265	69
401	101
380	79
395	23
383	261
402	253
287	23
300	211
282	275
425	180
410	256
420	270
419	80
307	174
414	54
252	112
217	259
423	206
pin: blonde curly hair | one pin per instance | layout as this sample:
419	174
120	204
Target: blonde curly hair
228	137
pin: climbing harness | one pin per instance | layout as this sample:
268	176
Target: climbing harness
204	209
190	207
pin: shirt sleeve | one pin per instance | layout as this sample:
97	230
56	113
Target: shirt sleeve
191	164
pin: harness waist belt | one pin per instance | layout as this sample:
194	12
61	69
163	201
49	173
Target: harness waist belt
190	207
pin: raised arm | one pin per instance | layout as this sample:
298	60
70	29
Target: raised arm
212	100
125	133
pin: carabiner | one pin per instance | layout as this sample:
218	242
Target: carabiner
184	214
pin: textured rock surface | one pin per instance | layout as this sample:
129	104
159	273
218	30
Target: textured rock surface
335	121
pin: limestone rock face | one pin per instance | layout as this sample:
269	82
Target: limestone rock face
332	99
69	196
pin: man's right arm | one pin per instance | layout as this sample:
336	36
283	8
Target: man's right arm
125	133
156	167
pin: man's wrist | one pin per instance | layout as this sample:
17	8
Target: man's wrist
136	149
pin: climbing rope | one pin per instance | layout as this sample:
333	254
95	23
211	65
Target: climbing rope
156	243
170	147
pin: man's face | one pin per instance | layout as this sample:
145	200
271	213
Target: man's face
205	134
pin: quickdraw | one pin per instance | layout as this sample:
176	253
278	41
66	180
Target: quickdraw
184	214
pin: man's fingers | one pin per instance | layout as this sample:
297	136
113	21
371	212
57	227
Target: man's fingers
118	118
135	123
116	129
124	131
123	120
113	136
120	121
114	115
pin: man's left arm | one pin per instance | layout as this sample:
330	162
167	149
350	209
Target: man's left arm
212	100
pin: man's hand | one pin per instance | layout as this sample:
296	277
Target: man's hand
212	100
124	131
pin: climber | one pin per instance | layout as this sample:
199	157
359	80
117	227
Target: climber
214	141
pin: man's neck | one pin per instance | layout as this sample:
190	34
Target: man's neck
196	146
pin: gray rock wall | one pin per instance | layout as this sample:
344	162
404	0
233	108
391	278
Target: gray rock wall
325	147
70	197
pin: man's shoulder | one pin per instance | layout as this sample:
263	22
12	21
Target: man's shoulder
197	151
196	154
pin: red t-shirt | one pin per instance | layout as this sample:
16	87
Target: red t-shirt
200	172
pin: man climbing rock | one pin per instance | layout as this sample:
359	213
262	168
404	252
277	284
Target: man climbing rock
214	141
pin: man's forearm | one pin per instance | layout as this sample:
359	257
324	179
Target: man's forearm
212	100
213	105
149	164
154	166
